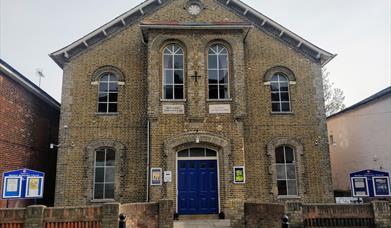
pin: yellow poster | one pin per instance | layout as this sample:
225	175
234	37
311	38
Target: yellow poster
33	186
239	175
156	176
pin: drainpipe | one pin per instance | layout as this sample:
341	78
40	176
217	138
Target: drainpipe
148	158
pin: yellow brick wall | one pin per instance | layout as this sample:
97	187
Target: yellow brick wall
126	51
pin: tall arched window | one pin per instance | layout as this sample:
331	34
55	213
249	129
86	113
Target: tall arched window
104	170
173	65
286	171
108	93
280	93
218	72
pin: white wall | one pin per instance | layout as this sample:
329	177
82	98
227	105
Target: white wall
362	141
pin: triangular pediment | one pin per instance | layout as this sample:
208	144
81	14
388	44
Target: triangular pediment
237	7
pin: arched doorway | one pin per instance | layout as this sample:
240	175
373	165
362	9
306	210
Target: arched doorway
197	181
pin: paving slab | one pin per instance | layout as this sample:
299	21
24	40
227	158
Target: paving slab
204	223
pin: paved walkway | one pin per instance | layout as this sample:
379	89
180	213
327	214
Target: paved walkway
205	223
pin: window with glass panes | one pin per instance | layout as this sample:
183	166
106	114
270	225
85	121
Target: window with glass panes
218	72
197	152
280	93
286	171
108	93
173	63
104	174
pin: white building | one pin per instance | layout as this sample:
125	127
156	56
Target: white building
360	138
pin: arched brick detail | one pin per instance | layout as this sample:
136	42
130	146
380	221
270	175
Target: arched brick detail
120	158
279	69
209	140
104	69
190	138
299	151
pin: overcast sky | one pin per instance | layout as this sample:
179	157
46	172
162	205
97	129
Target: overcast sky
359	31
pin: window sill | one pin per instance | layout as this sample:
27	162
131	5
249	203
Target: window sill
107	113
282	113
102	201
219	100
177	100
288	197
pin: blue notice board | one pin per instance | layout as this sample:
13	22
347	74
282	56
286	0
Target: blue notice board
370	183
23	184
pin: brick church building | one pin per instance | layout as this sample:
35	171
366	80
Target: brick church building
208	103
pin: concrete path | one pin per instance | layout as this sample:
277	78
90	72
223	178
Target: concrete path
204	223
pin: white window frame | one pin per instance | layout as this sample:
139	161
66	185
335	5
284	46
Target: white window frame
286	172
110	74
173	84
104	173
218	73
280	102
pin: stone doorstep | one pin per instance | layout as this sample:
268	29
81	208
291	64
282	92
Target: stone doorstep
199	217
203	223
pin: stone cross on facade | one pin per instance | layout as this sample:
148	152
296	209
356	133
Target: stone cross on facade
196	76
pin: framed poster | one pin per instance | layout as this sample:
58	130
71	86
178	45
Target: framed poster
239	175
381	186
34	187
360	186
12	187
156	176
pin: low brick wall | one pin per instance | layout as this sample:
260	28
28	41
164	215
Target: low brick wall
263	215
11	216
338	215
145	215
80	216
375	214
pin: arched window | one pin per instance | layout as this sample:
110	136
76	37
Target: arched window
173	65
104	172
218	72
286	171
108	93
280	93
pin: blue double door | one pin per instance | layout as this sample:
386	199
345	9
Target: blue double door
197	187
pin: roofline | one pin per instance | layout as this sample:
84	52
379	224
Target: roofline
105	26
263	22
379	95
102	29
282	28
27	84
